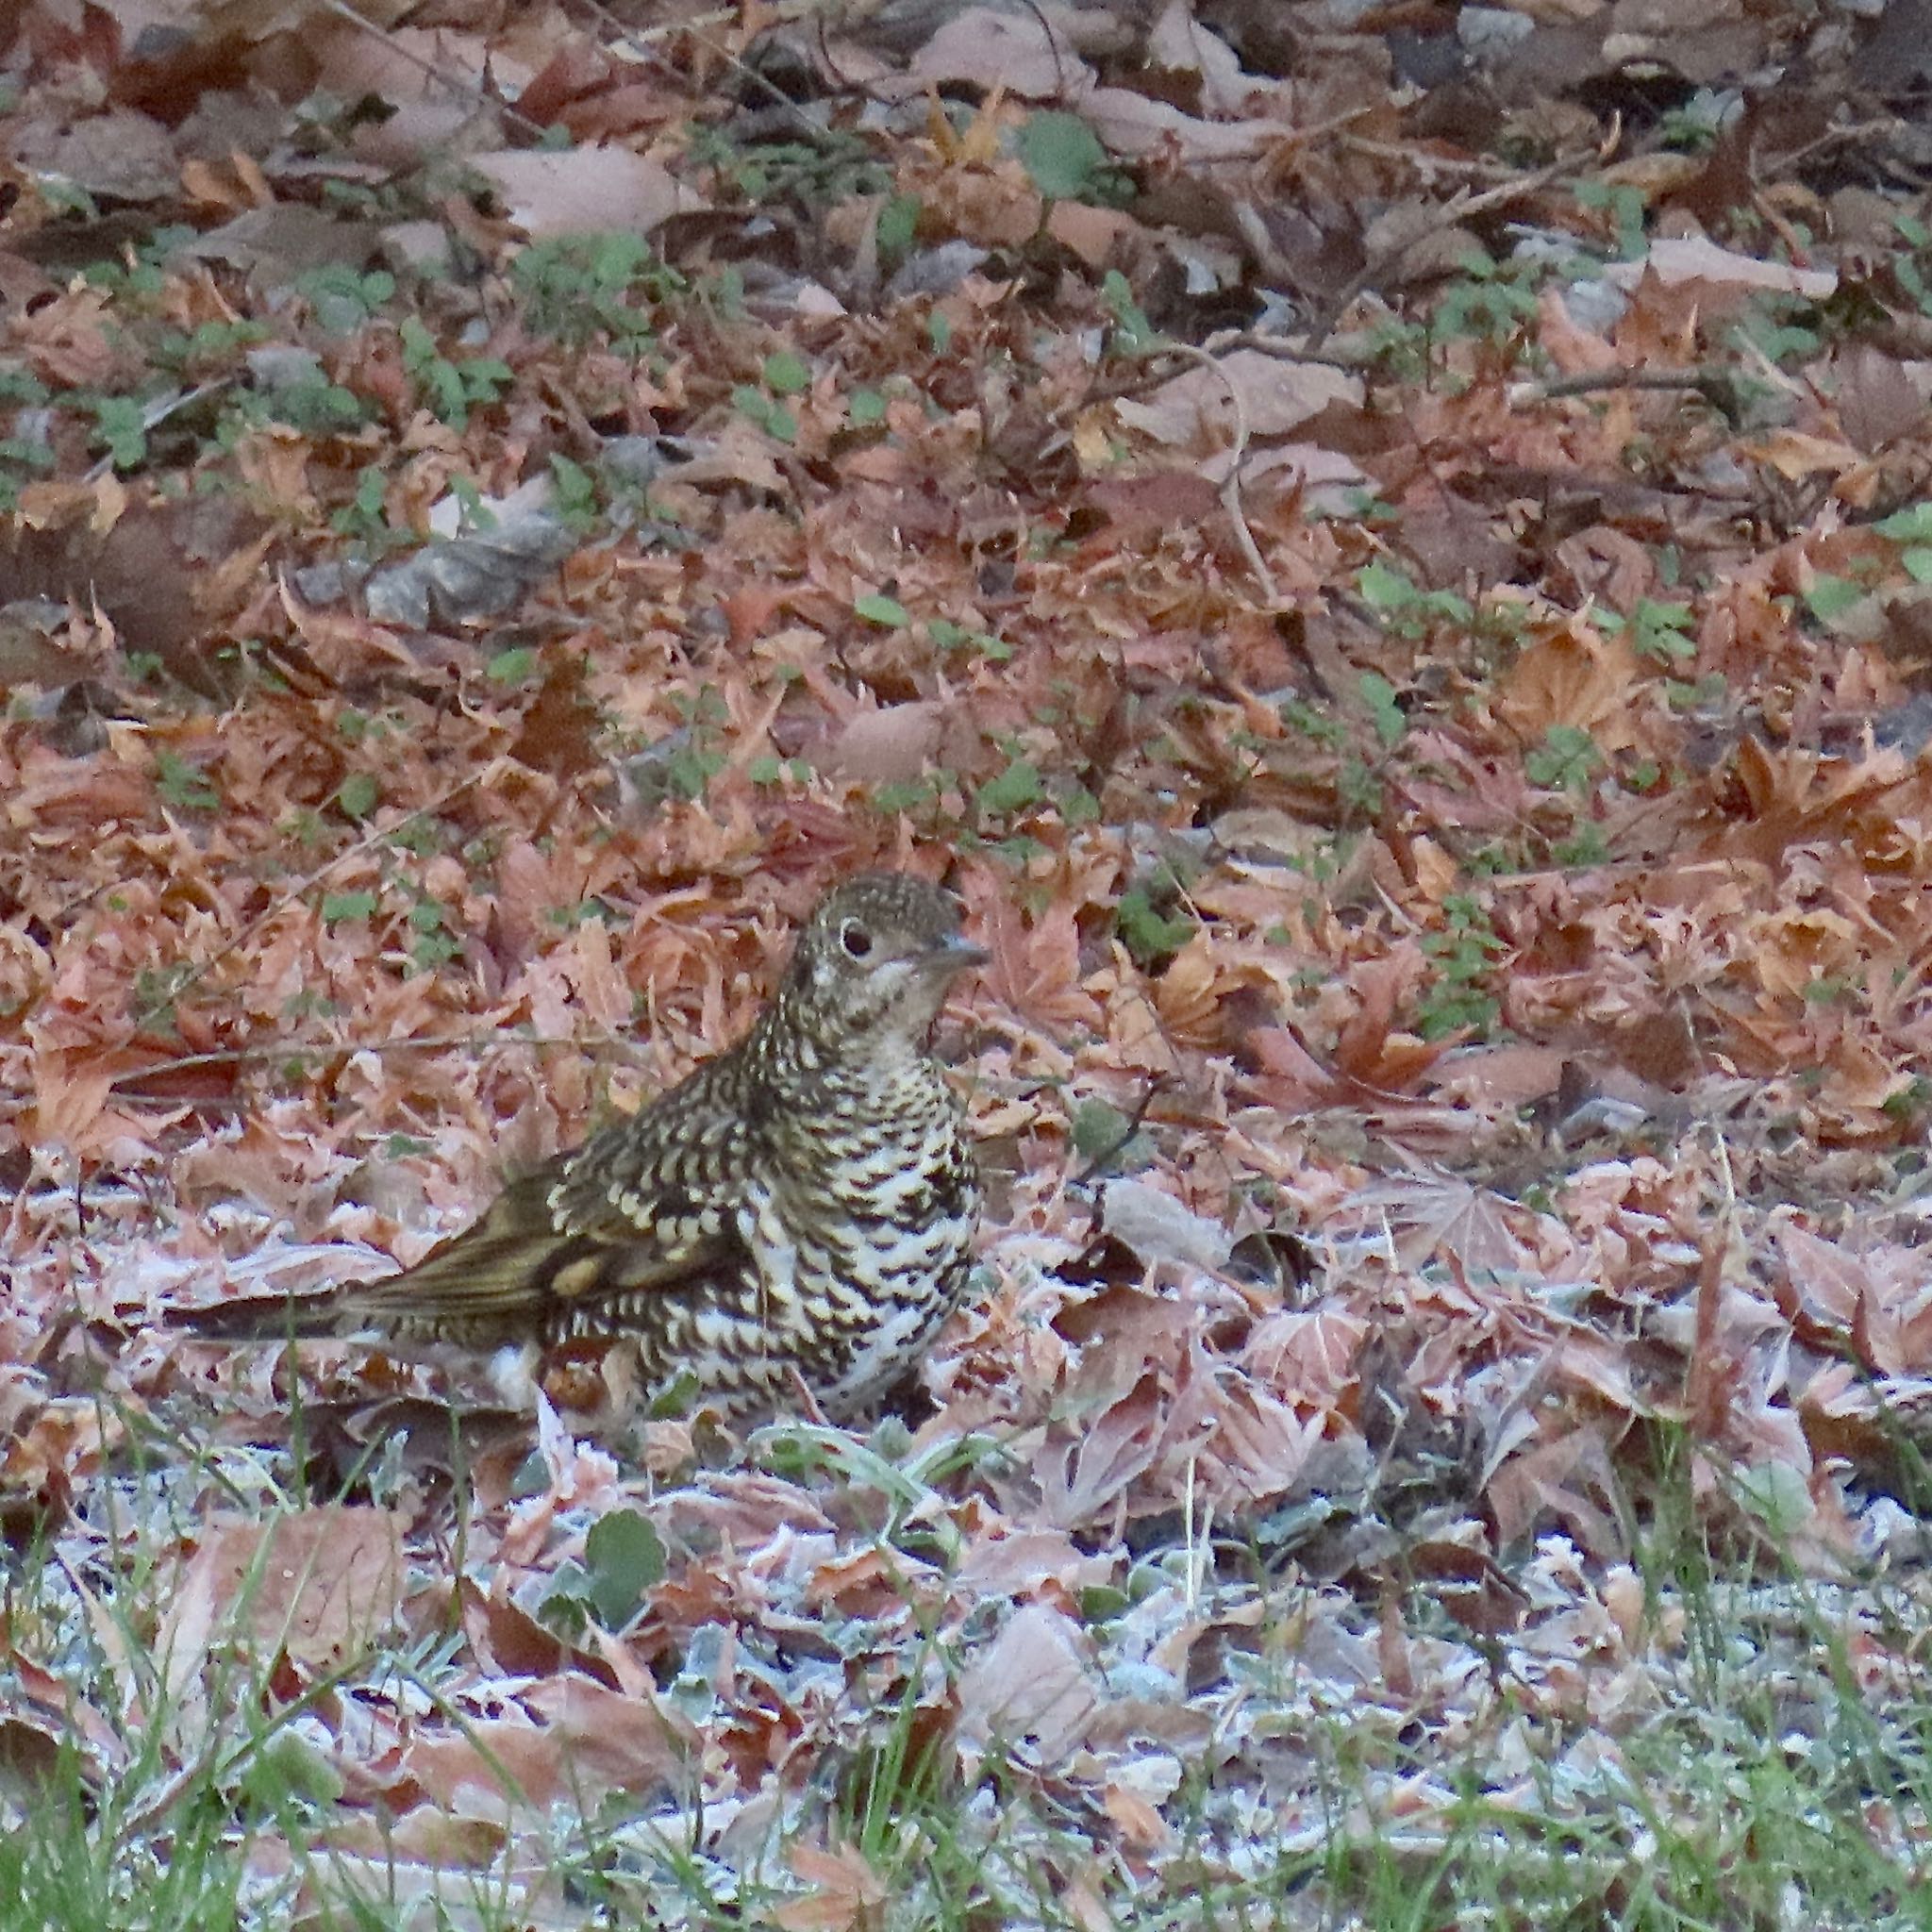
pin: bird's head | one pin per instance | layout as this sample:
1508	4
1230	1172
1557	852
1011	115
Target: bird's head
874	961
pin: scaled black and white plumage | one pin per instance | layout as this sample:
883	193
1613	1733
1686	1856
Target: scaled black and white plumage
803	1204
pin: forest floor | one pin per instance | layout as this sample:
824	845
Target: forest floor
1380	550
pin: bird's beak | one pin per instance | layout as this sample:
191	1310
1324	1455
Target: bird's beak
952	956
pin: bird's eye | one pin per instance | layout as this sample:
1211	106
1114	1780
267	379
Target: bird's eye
855	939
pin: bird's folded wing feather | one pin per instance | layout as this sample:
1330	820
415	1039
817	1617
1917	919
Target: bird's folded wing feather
648	1205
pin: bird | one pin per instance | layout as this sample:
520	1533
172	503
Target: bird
799	1209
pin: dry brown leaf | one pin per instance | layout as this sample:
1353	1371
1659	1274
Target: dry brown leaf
883	747
618	1741
585	190
318	1587
1030	1685
1575	678
847	1893
1196	410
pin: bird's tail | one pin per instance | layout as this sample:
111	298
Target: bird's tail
264	1318
267	1316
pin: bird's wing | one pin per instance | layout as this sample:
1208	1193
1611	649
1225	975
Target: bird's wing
648	1205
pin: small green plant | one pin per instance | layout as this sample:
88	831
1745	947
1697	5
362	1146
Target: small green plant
1151	936
1078	805
1358	790
1402	607
472	513
1013	789
344	908
1911	530
1065	160
898	226
1768	325
767	411
1694	128
1493	860
949	636
512	667
209	348
886	612
320	408
357	795
134	283
450	390
1585	846
915	797
435	941
1910	1103
1907	269
20	385
1660	632
1501	621
1400	346
578	288
836	166
1624	206
1132	334
121	424
1327	731
1834	988
1565	761
574	494
1488	302
691	767
33	456
623	1560
773	771
786	373
341	298
364	519
1103	1136
60	196
1385	709
1464	954
184	786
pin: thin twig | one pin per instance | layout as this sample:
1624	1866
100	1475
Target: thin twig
157	414
637	37
1286	349
1231	486
1428	164
1590	382
1721	388
457	83
669	30
1832	137
1459	207
1104	1158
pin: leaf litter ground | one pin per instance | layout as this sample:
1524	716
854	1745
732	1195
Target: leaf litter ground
1395	590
